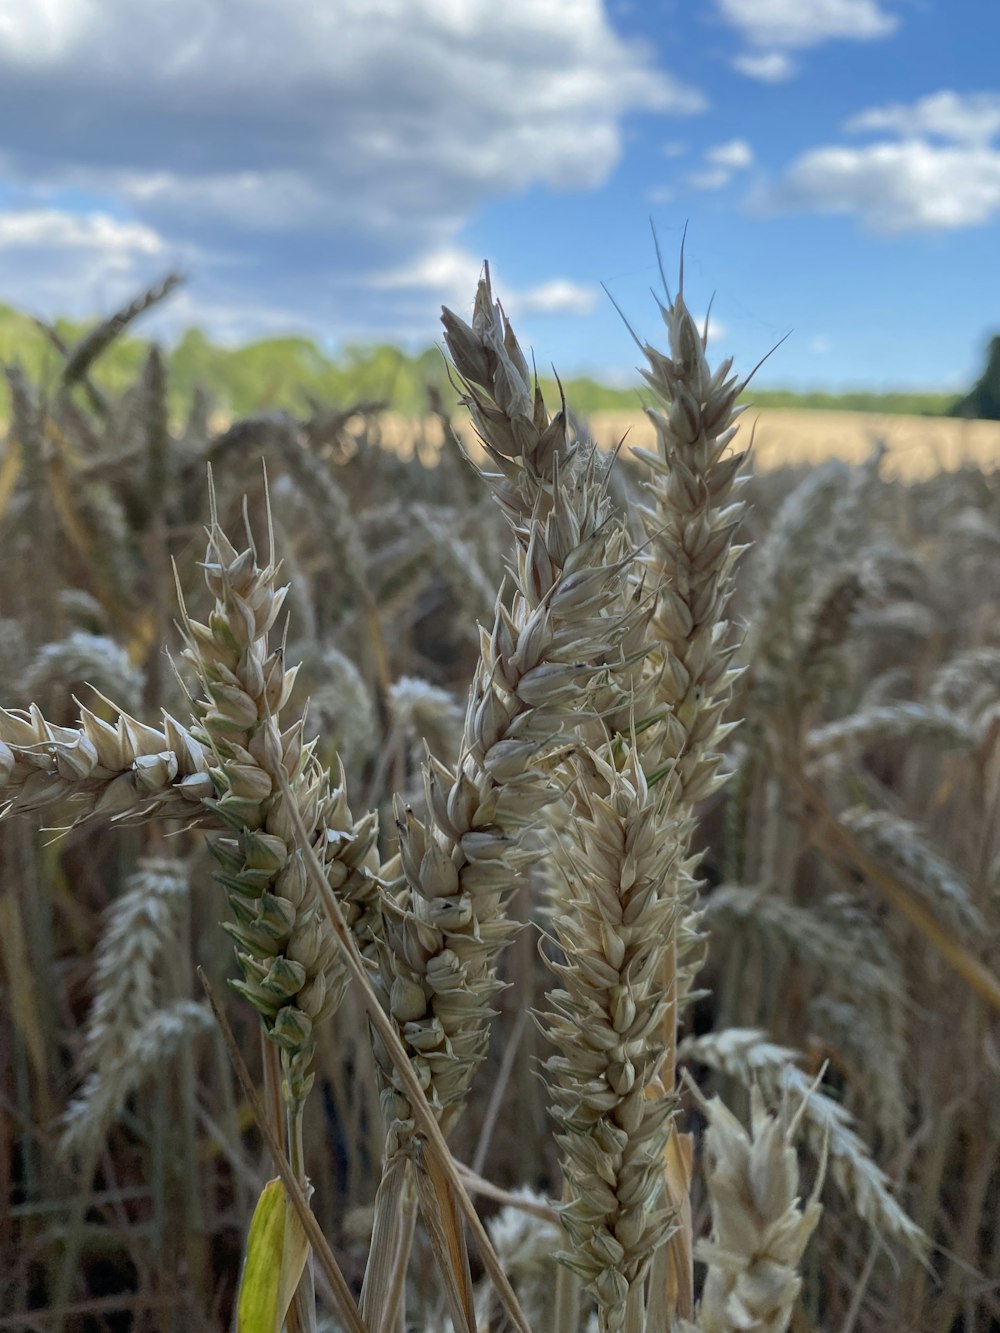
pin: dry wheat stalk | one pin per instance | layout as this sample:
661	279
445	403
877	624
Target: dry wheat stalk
825	629
843	952
818	529
903	720
341	708
146	1051
99	338
132	999
424	712
899	845
969	683
77	657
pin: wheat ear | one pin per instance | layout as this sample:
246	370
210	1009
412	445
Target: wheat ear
536	665
759	1232
613	923
444	929
691	522
291	971
746	1054
121	773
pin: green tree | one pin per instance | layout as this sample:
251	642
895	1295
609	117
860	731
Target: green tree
984	399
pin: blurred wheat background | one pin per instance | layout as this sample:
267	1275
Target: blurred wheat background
851	863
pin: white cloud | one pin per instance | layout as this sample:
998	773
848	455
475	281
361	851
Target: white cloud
894	187
449	277
909	183
421	88
722	161
40	31
960	117
452	273
34	228
306	148
268	200
765	66
558	296
796	24
735	154
67	263
716	329
712	178
673	148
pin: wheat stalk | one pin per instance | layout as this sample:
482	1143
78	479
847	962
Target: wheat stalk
126	772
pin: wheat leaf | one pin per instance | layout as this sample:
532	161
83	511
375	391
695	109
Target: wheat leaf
277	1249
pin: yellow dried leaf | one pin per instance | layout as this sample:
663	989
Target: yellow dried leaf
277	1249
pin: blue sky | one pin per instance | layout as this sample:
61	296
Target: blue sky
342	167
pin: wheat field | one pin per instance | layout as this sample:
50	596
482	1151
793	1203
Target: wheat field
604	845
918	447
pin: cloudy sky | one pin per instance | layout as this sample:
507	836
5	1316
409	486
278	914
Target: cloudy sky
341	167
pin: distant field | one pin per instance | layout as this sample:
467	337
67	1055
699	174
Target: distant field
918	446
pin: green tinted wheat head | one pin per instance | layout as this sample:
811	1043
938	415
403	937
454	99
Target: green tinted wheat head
291	972
223	773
